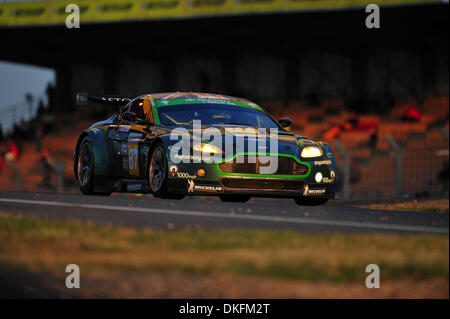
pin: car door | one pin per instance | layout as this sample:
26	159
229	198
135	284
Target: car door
134	132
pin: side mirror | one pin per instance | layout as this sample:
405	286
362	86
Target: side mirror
129	116
285	123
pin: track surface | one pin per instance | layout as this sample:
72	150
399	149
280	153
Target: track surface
210	213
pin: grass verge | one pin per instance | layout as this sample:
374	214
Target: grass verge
436	206
49	245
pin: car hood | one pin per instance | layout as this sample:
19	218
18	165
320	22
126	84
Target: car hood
288	143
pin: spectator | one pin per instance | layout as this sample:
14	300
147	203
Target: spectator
2	161
12	153
47	162
11	156
411	114
41	108
373	140
353	124
332	133
50	91
38	135
2	164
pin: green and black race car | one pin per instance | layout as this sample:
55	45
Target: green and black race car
177	144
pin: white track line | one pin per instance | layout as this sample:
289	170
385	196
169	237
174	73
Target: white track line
296	220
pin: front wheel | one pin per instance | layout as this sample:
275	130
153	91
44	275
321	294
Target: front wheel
310	201
157	174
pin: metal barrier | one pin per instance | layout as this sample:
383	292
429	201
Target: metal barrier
25	110
345	171
411	167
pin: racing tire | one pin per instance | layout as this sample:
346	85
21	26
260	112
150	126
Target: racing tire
157	174
85	168
310	201
235	198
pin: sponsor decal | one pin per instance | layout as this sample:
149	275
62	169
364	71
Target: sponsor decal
134	187
134	136
115	7
241	130
161	5
206	3
210	100
188	158
133	159
324	162
253	1
327	180
43	12
208	188
203	188
191	186
330	179
30	12
316	191
186	175
123	128
173	170
307	191
124	149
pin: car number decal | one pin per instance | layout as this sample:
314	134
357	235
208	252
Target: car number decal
133	158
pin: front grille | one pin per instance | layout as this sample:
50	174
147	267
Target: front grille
286	166
263	184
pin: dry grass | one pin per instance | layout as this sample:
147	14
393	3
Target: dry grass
439	206
48	245
17	283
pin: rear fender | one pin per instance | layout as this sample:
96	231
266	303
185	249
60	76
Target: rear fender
101	158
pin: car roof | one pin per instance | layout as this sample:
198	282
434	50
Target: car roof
186	98
195	95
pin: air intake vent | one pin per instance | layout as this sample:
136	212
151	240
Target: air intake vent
286	166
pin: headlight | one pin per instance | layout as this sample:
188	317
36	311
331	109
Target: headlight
311	151
207	148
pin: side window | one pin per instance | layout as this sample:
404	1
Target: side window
143	111
148	107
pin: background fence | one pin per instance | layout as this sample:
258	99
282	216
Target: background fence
413	168
24	110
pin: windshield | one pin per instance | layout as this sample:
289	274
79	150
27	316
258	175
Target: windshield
211	114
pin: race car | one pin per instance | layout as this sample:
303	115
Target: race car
178	144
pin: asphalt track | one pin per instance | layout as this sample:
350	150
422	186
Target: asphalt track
210	213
